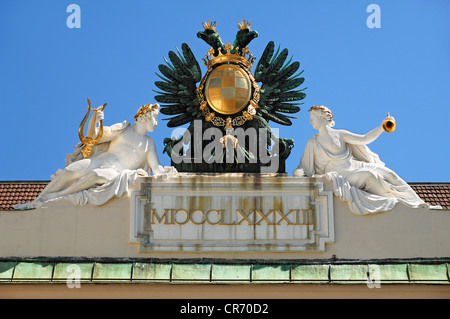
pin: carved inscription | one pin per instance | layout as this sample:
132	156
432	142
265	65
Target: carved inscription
232	214
253	217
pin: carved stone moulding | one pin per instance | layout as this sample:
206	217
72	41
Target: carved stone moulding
230	213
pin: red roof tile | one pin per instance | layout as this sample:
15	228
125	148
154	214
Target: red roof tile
434	194
12	193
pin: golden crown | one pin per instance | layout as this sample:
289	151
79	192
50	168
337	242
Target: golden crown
211	25
145	109
244	25
247	62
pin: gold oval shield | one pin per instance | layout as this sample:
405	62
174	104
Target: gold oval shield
228	89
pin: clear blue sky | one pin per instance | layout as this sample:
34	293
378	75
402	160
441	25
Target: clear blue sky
47	71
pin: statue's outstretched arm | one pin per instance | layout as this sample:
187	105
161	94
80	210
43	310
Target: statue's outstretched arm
109	132
153	162
152	158
358	139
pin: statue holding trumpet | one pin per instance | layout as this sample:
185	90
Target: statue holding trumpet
357	174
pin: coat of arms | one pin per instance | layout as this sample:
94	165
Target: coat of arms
229	96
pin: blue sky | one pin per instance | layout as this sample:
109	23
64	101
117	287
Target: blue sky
47	71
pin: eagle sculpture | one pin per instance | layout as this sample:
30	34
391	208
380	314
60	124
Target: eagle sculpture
187	96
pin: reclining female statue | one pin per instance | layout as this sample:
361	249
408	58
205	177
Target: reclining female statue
123	153
357	174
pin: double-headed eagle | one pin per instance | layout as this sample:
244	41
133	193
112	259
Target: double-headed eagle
229	95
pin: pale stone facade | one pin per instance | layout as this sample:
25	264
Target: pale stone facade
61	228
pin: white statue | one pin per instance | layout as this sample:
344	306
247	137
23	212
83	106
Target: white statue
357	174
123	153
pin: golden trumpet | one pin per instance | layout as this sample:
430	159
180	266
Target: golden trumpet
389	124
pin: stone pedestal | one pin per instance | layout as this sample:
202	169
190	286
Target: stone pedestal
232	212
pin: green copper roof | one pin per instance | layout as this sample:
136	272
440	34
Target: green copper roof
224	272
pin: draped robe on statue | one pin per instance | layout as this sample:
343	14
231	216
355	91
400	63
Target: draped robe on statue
359	177
118	183
119	180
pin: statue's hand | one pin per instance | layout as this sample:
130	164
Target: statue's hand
171	171
166	172
100	114
298	172
141	172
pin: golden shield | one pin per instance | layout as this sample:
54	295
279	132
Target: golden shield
228	89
